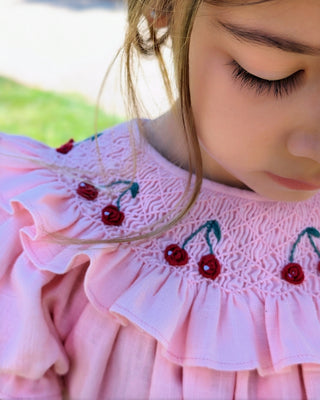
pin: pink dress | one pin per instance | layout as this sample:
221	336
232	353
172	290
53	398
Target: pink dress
224	305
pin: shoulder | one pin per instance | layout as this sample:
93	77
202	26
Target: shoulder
14	146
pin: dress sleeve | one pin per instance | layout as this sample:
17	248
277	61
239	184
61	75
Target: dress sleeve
41	281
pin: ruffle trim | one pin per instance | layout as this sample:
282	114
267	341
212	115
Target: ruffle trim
197	325
203	326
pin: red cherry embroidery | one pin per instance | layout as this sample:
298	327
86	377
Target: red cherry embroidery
87	191
175	255
209	266
111	215
293	273
65	148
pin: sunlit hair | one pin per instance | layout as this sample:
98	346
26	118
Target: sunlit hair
143	38
146	39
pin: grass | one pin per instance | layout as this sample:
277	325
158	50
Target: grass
49	117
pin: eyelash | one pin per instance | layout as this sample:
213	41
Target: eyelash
280	88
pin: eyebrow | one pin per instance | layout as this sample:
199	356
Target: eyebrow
268	39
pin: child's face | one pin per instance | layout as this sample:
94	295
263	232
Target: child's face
247	131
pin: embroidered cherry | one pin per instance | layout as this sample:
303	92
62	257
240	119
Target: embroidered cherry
293	272
87	191
65	148
175	255
209	266
111	214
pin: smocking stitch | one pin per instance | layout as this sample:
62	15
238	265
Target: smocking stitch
247	223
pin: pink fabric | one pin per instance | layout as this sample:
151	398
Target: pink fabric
116	321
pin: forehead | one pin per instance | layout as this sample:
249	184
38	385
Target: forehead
295	19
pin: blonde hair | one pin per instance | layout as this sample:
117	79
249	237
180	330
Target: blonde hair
146	39
179	15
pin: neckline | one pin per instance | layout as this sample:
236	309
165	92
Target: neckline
208	184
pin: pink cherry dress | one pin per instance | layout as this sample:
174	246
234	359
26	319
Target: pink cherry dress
225	305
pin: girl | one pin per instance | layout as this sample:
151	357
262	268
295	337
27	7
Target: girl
124	277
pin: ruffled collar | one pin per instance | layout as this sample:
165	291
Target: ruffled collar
233	286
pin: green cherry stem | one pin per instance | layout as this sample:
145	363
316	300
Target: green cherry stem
92	137
310	232
313	245
210	226
133	188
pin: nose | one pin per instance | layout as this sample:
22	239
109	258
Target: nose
301	144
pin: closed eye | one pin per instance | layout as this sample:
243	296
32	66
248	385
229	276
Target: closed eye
279	88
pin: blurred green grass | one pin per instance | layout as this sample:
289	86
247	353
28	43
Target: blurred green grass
49	117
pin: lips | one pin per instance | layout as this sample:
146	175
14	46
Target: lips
293	183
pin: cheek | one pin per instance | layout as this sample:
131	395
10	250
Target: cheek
227	117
